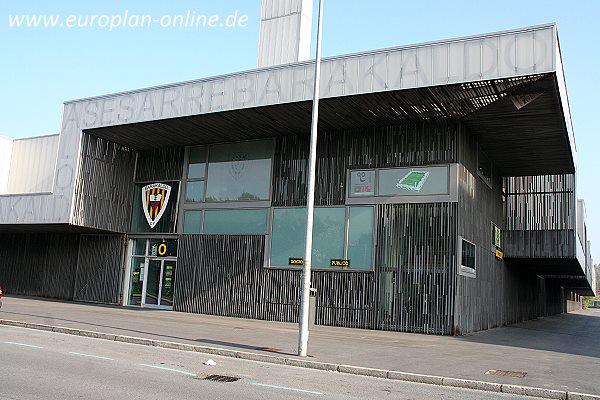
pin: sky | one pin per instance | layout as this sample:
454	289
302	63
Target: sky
40	68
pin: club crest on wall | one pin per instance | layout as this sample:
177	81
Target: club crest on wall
238	164
155	198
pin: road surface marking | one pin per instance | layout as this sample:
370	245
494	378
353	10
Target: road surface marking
24	345
285	388
91	356
168	369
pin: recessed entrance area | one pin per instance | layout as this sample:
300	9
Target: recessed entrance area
152	269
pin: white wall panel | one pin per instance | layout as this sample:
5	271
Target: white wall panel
394	64
489	58
507	61
285	32
365	78
298	84
456	62
472	57
409	69
439	65
453	61
351	79
32	165
379	73
544	49
6	145
424	60
525	53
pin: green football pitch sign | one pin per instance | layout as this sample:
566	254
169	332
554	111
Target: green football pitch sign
414	180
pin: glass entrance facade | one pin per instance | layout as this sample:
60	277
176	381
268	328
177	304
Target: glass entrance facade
152	273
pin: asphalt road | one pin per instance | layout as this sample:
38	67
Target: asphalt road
559	352
46	365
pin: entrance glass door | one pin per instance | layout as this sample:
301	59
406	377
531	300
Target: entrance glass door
168	278
159	280
151	273
153	282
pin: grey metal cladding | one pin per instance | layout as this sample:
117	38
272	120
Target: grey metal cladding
544	202
32	165
99	269
415	267
165	164
504	54
513	293
540	216
48	208
492	56
539	244
285	31
6	145
337	151
223	275
39	264
104	190
410	289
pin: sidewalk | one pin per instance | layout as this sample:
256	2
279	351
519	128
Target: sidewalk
560	352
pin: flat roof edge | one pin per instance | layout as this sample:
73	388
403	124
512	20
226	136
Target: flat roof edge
325	59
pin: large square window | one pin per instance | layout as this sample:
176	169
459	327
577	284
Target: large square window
236	221
328	235
288	235
239	171
192	221
334	237
360	237
197	163
194	191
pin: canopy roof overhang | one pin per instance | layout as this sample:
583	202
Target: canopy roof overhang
565	272
531	140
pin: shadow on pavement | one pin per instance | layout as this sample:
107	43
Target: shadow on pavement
573	333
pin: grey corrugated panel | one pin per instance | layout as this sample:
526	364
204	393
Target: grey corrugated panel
33	177
501	293
104	190
393	146
6	145
399	74
224	275
280	31
99	273
540	215
540	243
160	165
544	202
415	253
38	264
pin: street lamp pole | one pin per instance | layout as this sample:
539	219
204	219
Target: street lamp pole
310	197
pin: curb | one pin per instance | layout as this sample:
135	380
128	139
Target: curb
294	362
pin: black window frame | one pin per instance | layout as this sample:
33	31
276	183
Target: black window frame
466	270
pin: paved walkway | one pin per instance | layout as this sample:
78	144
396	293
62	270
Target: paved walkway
560	352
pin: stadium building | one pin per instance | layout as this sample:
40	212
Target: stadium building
445	197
